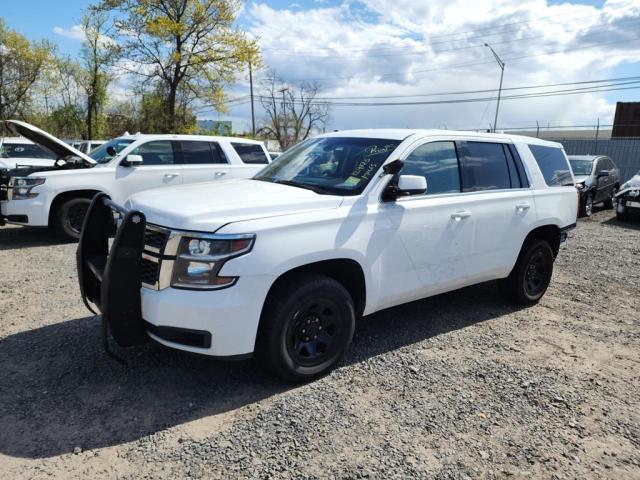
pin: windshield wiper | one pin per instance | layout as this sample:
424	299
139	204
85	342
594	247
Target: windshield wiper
313	188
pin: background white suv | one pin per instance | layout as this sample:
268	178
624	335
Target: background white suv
339	226
58	196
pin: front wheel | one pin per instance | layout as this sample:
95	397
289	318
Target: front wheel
530	278
307	325
69	218
587	208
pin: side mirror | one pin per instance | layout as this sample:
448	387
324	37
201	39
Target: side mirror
604	173
132	160
412	185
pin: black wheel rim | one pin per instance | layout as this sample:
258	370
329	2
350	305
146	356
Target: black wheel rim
536	273
75	217
313	335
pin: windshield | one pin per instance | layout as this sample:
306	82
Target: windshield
24	150
101	155
330	165
581	167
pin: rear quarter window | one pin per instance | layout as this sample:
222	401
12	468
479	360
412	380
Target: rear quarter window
553	165
250	153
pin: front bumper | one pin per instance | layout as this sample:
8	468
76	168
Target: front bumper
627	202
119	281
32	212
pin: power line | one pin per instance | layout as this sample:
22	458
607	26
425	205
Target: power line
484	29
453	49
552	93
464	65
465	92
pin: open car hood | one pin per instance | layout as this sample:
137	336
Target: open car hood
45	140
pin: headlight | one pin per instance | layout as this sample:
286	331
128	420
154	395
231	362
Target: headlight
20	187
199	260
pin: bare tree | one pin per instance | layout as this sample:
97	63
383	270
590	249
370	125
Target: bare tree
292	111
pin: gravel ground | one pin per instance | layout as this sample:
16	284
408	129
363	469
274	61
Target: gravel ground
456	386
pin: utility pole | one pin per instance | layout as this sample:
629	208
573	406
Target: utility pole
284	116
253	112
501	64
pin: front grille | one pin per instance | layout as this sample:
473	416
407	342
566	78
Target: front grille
149	272
155	239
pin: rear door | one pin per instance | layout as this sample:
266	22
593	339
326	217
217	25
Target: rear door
502	206
160	167
203	161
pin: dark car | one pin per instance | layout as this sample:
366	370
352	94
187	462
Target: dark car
628	198
597	179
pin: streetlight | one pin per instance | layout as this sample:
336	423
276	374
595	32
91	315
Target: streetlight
501	64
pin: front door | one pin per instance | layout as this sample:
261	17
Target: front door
159	168
436	229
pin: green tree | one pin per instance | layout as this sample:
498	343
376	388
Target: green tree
21	65
190	47
99	52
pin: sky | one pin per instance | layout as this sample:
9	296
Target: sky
412	49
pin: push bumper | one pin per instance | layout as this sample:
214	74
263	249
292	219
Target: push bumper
221	323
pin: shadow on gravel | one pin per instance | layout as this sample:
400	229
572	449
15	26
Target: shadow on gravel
632	224
14	238
58	390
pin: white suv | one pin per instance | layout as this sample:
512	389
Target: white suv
58	196
339	226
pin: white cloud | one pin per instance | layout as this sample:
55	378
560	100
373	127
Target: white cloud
407	47
74	32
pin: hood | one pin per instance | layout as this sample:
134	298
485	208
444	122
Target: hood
205	207
632	184
45	140
581	178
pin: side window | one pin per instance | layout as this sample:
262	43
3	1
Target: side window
609	164
198	153
553	165
438	163
158	152
484	167
250	153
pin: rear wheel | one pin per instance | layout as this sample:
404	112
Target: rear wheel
529	279
611	201
307	325
70	217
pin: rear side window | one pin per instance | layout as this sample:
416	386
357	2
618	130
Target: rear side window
553	165
250	153
199	153
483	166
438	163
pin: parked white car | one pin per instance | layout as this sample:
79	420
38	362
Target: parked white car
18	151
88	146
59	196
339	226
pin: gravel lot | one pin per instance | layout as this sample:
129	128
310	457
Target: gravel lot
456	386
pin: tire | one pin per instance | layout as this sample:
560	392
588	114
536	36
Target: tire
69	217
587	207
530	277
306	326
611	201
622	216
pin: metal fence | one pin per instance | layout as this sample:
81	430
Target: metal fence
625	152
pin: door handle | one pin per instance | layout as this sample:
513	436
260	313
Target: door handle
219	174
460	215
171	175
523	207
